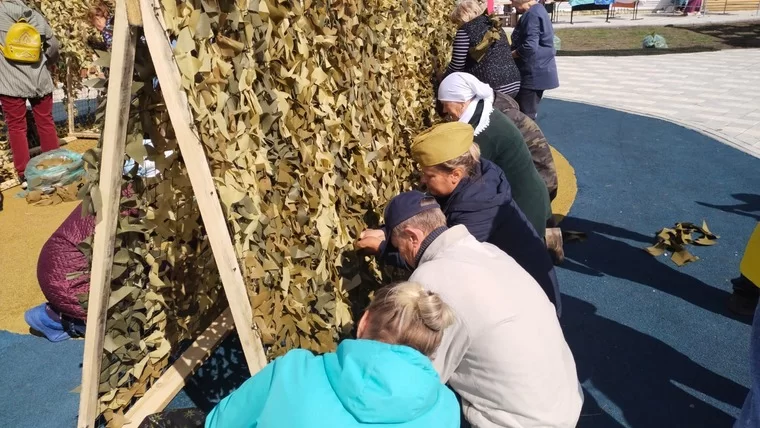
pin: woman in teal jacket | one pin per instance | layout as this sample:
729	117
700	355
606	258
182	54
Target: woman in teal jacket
383	378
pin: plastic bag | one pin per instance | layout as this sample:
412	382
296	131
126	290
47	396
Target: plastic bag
147	168
557	43
52	169
654	41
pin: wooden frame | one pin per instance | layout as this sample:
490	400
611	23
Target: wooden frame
115	131
70	100
172	381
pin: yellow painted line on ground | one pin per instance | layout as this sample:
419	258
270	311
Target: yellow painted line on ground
568	186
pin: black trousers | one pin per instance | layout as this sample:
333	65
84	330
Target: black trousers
528	100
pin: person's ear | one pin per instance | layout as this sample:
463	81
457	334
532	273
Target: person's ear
362	327
415	235
456	175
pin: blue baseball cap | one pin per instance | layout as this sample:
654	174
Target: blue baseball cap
403	207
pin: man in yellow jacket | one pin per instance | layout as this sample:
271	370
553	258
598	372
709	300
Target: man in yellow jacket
750	270
746	292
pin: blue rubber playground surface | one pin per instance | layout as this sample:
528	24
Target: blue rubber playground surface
654	343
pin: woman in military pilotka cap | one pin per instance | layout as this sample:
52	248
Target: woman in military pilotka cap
475	193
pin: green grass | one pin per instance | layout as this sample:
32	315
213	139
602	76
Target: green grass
627	40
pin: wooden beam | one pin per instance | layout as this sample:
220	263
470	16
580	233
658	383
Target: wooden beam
203	183
111	164
71	96
86	135
171	382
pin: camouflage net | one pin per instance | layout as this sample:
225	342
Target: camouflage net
305	110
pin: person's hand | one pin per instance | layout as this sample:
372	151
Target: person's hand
369	242
373	233
515	54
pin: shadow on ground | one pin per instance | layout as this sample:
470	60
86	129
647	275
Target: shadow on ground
733	35
658	380
749	205
604	253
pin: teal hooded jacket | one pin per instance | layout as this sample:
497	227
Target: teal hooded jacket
364	383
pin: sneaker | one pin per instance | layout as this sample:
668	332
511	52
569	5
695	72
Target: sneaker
554	244
39	320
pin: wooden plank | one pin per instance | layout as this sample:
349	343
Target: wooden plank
171	382
203	184
71	96
112	160
86	135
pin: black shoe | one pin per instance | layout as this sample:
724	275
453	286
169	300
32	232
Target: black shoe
742	305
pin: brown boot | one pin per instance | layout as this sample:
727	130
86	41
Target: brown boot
554	244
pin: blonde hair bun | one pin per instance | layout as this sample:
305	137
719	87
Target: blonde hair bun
428	306
407	314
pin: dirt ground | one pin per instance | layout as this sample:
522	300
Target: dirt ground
24	229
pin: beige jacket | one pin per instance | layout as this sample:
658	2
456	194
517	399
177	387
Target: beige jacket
506	354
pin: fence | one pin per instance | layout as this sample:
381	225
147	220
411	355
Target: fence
75	117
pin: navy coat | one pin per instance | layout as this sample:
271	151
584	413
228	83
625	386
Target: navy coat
483	203
533	38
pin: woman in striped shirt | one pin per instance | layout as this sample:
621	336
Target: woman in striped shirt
481	48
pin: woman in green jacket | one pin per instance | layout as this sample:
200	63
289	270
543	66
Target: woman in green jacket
468	100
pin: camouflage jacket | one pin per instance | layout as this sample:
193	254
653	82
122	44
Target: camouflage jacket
534	138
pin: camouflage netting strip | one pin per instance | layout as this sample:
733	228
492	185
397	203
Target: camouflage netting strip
305	111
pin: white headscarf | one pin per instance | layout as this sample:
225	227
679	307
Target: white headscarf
463	87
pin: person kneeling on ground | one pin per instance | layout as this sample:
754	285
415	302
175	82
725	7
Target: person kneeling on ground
470	101
63	274
534	138
541	153
475	193
505	354
383	378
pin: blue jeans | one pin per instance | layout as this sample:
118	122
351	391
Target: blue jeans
750	415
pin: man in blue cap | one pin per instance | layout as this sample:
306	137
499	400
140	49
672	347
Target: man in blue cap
506	355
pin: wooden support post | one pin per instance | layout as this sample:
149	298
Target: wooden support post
171	382
203	183
111	165
70	97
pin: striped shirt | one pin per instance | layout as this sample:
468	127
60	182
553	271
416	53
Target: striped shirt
26	80
494	64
